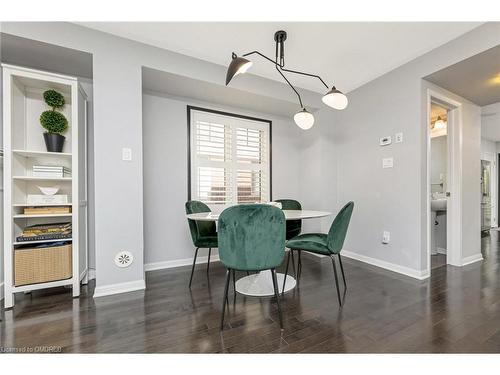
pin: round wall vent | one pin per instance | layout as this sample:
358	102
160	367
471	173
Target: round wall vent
124	259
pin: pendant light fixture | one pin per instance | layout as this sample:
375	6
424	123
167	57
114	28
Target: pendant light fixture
303	118
439	124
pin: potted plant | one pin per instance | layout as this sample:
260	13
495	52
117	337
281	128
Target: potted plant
54	122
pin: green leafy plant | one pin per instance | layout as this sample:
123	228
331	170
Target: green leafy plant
53	121
53	99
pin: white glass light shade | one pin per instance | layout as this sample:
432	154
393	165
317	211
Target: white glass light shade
335	99
304	119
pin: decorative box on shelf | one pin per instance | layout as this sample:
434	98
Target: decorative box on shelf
42	264
37	199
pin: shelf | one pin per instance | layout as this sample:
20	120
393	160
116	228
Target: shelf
29	216
49	284
35	154
40	205
42	241
33	178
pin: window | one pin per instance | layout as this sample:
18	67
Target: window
230	158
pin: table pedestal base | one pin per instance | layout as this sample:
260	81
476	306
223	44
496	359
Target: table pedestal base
261	284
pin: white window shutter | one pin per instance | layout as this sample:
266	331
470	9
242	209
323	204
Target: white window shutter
229	159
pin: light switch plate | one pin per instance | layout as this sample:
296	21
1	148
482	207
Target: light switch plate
126	154
387	162
399	138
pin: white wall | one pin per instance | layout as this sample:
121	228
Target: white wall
490	118
167	241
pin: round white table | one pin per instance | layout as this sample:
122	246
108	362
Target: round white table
261	284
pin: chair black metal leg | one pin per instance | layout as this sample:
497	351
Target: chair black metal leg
342	269
286	272
336	279
192	269
224	300
299	266
208	263
293	264
276	294
234	286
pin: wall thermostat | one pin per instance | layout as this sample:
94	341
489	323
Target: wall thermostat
385	141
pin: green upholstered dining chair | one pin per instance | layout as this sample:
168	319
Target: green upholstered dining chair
251	238
326	244
203	233
293	227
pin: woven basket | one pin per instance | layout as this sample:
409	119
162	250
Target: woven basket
41	265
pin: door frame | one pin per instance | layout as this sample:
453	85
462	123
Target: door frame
492	158
454	177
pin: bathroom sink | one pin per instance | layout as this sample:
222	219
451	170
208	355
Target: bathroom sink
438	204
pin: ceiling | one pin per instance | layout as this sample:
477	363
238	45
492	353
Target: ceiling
476	78
348	54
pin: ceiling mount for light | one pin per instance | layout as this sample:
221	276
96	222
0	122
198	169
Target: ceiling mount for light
304	119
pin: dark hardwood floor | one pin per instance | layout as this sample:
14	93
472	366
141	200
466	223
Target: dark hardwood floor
457	310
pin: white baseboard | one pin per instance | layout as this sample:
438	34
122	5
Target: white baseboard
91	274
130	286
440	250
1	291
416	274
179	263
472	259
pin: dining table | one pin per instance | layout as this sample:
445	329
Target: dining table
260	284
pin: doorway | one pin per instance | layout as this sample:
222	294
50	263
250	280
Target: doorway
438	123
443	181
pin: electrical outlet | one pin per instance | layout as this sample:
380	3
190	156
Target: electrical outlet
399	137
126	154
387	162
386	237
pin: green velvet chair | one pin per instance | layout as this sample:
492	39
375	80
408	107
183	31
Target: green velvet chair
251	238
326	244
293	227
203	233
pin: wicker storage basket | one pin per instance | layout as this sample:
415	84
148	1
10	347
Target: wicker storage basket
39	265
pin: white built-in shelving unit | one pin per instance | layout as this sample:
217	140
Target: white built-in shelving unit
24	147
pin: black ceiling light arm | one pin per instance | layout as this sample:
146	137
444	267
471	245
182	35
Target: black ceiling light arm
305	74
277	66
280	37
293	88
260	54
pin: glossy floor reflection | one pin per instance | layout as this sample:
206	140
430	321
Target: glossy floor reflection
457	310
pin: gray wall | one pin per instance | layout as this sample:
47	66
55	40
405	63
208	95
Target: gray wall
439	162
346	164
1	179
396	199
117	69
166	234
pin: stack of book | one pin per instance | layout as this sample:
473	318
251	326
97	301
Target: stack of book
51	171
45	210
41	232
